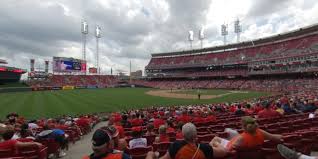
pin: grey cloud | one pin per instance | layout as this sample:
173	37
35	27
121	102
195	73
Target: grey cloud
265	7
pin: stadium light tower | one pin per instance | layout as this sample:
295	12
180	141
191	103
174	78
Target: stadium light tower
190	38
84	28
97	35
201	36
237	29
224	32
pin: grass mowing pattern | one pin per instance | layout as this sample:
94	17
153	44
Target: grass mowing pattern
72	102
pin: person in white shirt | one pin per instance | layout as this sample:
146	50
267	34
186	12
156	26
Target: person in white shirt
137	141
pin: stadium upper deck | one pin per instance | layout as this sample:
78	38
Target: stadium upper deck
290	52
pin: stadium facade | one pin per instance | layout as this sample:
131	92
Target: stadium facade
9	74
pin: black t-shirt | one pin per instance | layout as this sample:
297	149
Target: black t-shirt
176	146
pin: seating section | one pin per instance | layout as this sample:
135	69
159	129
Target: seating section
292	47
299	132
50	147
76	80
273	85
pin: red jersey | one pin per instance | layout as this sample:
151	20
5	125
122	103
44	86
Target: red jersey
158	122
268	113
184	118
164	138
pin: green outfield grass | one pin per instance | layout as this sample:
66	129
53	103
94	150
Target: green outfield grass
54	103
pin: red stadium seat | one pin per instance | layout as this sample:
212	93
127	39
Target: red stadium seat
139	153
205	138
161	147
32	152
6	153
150	139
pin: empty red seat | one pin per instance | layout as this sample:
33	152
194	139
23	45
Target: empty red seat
205	138
6	153
150	139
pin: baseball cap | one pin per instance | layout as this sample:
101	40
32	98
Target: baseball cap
136	129
100	137
112	131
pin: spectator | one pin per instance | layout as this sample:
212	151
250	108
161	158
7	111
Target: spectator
158	122
252	137
124	122
12	144
119	144
103	147
185	118
239	111
150	130
288	109
163	137
291	154
136	121
58	135
138	140
279	109
179	131
25	134
268	112
12	118
249	110
170	126
189	149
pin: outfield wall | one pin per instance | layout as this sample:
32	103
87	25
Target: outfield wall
15	89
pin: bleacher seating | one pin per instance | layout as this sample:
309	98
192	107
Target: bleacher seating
76	80
294	47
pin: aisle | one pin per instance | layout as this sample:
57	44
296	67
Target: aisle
83	146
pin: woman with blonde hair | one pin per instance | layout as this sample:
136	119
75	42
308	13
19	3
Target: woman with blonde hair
252	136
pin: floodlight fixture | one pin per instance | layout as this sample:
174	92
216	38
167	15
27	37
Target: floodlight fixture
237	29
224	32
97	35
191	38
84	30
201	36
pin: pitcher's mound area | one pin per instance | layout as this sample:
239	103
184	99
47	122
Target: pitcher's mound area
182	94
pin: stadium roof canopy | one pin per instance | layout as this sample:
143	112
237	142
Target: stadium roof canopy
250	43
3	61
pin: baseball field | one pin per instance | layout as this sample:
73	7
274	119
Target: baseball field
74	102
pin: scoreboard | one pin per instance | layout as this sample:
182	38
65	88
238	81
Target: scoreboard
65	64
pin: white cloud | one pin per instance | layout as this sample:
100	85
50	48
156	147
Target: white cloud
133	29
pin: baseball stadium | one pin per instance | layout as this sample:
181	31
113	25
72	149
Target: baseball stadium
254	99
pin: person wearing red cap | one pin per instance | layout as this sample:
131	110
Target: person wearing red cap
103	147
137	140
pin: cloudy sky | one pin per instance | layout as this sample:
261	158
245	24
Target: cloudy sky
133	29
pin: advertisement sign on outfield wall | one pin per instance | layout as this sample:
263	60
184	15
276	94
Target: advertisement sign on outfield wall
68	87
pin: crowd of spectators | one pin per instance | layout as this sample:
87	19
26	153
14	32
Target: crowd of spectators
270	84
213	130
44	137
101	81
293	47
